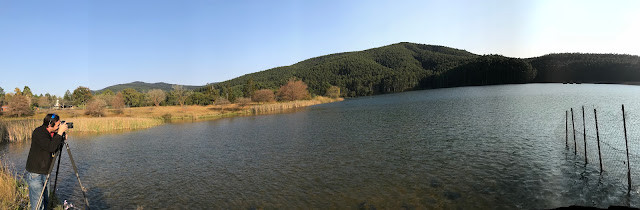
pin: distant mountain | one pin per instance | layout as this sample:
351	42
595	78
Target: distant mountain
409	66
143	87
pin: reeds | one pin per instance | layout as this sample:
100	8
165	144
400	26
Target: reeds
281	106
20	130
17	130
106	124
14	192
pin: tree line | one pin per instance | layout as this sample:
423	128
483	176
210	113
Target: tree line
24	103
586	67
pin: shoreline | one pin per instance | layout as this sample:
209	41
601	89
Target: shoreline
130	119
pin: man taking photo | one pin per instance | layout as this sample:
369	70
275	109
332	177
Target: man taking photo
45	141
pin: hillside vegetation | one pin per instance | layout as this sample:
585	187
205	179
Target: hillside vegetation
143	87
408	66
590	68
393	68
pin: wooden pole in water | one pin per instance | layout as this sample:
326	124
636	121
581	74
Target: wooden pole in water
566	128
598	138
624	121
575	150
584	132
595	114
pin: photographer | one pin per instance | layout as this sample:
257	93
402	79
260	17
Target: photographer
46	140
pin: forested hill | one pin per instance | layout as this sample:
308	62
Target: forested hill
588	68
392	68
143	87
407	66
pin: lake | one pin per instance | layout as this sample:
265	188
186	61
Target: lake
499	147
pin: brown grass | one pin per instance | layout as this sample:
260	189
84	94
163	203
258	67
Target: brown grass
14	192
104	124
176	112
16	130
281	106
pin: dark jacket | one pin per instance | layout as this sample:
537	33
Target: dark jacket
42	148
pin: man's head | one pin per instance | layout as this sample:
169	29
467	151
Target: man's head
52	121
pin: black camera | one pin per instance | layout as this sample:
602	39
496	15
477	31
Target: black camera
69	124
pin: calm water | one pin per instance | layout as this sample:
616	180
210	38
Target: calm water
465	148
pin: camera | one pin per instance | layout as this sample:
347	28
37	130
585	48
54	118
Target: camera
69	124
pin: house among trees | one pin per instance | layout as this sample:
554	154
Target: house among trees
60	106
4	108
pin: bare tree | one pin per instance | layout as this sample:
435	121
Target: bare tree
221	101
117	102
264	95
20	105
95	107
293	90
108	98
156	96
242	101
1	96
44	102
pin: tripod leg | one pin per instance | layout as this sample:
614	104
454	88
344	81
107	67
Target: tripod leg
75	169
55	183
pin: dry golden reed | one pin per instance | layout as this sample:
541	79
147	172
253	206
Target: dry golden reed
281	106
13	191
104	124
18	129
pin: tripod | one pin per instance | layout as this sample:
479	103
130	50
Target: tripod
75	169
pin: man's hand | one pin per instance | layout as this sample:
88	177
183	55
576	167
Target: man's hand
63	128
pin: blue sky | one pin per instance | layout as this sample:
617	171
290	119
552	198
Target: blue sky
54	46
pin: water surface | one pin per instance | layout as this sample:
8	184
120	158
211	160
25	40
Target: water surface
467	148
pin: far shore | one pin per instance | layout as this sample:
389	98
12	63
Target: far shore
127	119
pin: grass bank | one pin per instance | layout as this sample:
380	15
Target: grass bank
14	192
19	129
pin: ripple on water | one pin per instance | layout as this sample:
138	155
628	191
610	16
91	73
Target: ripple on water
459	148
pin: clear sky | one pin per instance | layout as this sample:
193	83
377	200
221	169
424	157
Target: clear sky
54	46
